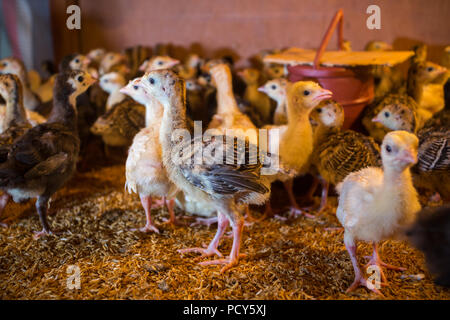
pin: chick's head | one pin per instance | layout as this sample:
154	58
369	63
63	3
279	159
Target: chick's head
274	71
79	80
11	65
136	91
396	117
399	150
96	55
306	95
329	113
112	82
9	85
158	63
430	71
163	84
192	85
275	89
79	62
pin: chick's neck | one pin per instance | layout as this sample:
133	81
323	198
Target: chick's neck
153	112
225	96
64	110
174	117
15	111
394	178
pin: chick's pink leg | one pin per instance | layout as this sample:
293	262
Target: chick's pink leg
360	280
170	205
4	199
233	259
375	260
295	209
222	224
146	202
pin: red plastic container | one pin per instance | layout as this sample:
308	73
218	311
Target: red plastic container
353	91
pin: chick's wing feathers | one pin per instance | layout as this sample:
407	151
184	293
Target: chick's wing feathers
434	149
40	150
227	168
344	153
51	165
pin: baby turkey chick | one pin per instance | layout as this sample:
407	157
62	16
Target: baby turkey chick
31	101
376	204
14	121
42	160
12	92
145	173
276	90
218	179
337	152
433	168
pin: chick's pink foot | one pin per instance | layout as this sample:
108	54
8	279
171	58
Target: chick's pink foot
204	222
360	281
229	262
222	224
147	229
205	252
375	260
42	233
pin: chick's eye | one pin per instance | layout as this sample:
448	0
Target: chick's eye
160	63
135	87
274	87
388	148
105	80
80	79
306	92
151	80
77	60
387	114
429	69
319	110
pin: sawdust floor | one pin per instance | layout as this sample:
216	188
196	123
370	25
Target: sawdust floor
286	260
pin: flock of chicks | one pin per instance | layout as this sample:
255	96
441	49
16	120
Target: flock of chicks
138	103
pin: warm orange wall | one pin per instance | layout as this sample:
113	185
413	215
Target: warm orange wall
247	26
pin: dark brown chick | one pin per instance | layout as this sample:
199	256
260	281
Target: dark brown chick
41	161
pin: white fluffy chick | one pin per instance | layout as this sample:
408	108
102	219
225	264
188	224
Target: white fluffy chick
376	204
112	83
145	173
276	90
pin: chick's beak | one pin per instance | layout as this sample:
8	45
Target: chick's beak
262	89
173	63
376	120
323	94
124	90
408	156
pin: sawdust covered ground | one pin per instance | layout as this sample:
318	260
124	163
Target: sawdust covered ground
298	259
